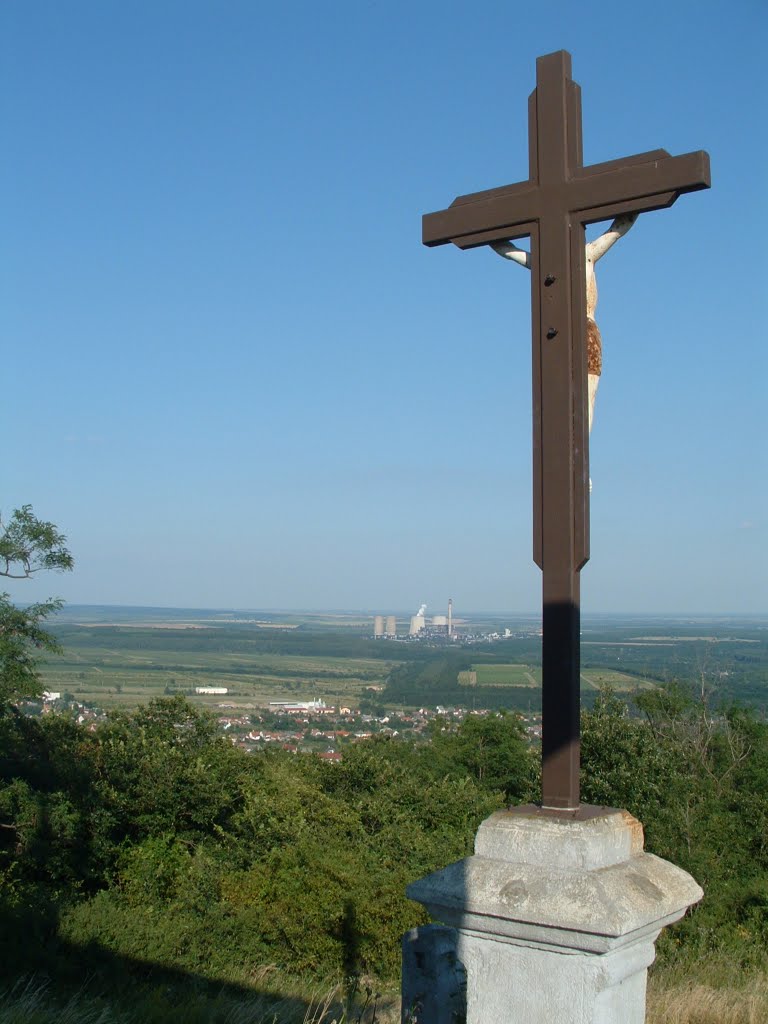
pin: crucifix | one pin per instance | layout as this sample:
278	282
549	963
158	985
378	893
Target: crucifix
560	197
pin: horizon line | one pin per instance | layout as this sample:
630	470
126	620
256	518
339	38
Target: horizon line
374	611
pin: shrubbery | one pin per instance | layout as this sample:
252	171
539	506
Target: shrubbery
152	843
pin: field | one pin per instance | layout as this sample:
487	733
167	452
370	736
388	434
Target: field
109	675
128	656
530	675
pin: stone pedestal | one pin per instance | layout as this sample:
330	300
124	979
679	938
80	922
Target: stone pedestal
552	921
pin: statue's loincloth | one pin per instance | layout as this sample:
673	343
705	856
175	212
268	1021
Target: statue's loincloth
594	349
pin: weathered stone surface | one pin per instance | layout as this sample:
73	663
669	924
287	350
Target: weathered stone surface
527	836
591	910
519	984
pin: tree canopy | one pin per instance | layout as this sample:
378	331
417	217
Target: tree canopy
28	545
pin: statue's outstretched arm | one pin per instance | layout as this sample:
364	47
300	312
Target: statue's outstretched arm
511	252
601	245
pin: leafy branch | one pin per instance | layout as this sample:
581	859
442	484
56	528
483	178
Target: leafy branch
29	544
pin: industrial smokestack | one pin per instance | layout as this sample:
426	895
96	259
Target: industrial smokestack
450	616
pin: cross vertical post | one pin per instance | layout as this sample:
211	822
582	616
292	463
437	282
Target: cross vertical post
553	206
561	499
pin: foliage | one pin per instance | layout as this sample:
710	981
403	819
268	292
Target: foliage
150	847
698	781
27	545
493	750
22	637
153	838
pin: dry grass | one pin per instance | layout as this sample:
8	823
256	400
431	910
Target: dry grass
701	1004
30	1001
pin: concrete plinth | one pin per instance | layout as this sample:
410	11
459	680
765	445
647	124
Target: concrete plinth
553	919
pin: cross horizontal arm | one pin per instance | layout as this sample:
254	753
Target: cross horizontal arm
503	234
501	208
660	202
509	234
657	202
649	157
647	181
592	190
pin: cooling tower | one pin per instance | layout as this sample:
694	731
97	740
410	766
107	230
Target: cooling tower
378	626
417	624
391	626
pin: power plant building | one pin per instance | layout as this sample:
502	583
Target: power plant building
386	625
418	622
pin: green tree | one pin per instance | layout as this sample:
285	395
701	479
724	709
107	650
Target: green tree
28	545
164	769
696	778
492	749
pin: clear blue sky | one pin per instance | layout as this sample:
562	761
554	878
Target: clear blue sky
233	375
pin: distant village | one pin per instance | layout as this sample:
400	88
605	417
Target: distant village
313	726
299	727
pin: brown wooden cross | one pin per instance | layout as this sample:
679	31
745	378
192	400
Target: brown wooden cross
560	197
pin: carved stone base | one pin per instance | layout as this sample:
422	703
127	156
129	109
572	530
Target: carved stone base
554	918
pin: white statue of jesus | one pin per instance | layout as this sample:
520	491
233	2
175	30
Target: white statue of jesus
593	251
